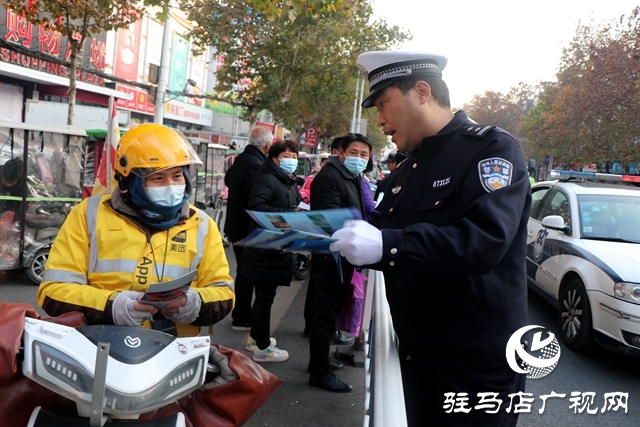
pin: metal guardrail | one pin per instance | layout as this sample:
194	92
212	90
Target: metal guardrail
384	397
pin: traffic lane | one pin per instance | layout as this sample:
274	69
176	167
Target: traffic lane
599	372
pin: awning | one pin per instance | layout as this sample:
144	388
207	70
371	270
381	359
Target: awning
35	76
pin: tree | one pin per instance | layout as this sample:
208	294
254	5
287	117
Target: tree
503	110
507	111
299	63
76	20
592	114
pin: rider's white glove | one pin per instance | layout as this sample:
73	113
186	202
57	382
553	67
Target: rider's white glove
189	312
123	312
359	242
226	375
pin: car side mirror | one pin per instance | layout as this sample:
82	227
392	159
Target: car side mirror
556	222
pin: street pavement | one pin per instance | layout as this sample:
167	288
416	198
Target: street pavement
294	403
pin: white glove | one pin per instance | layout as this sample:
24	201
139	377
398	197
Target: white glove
123	312
359	242
188	312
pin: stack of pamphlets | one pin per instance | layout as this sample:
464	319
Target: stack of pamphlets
300	231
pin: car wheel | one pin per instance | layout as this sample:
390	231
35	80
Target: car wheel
575	317
300	266
36	270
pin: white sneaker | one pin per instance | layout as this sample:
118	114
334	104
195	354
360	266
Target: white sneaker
251	343
270	354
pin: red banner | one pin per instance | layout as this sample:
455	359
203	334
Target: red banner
127	50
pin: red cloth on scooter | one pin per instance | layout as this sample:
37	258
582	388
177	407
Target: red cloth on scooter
11	326
232	404
18	394
229	405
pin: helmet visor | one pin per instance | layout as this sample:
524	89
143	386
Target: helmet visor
156	151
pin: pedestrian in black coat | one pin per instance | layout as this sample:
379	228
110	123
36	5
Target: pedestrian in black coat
337	185
275	191
240	179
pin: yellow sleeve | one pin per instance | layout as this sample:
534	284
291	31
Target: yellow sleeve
64	287
214	284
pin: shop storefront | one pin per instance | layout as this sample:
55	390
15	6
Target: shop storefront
31	68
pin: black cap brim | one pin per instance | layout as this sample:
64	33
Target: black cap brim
371	98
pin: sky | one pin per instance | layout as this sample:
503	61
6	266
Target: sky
495	44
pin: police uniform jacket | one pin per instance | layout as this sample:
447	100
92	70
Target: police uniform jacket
453	221
100	252
240	179
274	191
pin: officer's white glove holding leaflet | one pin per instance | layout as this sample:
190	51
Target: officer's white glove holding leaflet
359	242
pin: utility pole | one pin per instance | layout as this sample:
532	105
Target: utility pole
163	77
355	107
360	107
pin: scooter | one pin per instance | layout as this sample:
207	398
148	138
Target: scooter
112	372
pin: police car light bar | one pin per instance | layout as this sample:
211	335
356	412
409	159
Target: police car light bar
565	175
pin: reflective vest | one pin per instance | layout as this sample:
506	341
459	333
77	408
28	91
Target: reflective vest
102	248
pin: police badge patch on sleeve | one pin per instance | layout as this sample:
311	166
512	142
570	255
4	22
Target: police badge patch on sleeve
495	173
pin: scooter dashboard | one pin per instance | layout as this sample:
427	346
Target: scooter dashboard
128	344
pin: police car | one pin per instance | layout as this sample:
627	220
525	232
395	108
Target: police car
583	256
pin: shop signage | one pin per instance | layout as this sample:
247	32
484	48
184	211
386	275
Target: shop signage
177	110
139	103
44	40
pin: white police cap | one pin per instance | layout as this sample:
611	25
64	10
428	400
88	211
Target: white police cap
384	67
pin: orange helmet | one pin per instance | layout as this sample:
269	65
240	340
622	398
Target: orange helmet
149	148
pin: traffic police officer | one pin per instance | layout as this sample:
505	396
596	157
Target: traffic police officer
450	238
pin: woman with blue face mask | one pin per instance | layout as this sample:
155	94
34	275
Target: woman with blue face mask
275	191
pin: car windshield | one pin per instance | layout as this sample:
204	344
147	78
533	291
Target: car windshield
610	217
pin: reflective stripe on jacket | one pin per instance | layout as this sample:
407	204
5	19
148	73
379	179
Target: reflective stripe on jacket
103	249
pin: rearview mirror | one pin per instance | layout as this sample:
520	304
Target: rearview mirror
555	222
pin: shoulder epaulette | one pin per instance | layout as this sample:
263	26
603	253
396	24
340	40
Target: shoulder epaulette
476	130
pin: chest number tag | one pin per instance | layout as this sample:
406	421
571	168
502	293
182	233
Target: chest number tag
495	173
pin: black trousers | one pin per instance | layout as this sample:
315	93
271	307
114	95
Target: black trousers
330	294
261	314
241	313
426	404
309	304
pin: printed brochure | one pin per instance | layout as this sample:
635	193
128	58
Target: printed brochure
162	294
300	231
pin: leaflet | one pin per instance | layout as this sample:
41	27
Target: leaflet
324	222
300	231
162	294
